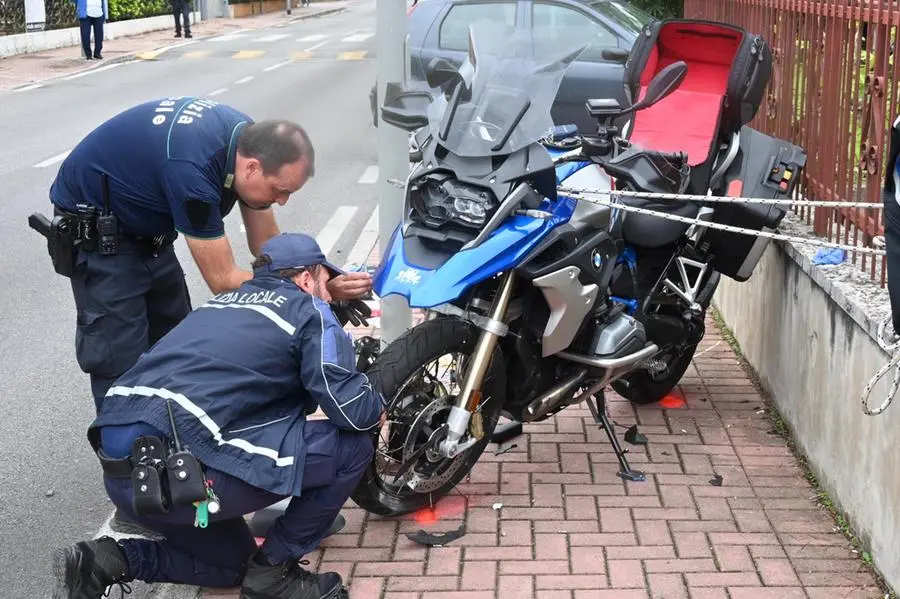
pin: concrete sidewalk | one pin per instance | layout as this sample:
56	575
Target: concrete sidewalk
28	69
569	528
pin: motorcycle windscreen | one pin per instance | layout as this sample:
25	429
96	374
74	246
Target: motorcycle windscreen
502	98
428	279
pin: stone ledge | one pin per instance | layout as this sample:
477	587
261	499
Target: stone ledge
847	284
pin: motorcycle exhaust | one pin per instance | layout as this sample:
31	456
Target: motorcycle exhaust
614	368
552	398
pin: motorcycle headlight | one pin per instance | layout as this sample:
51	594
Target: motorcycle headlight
441	200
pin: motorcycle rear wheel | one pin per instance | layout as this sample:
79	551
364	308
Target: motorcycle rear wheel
391	374
643	388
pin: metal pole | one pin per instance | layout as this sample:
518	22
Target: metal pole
393	153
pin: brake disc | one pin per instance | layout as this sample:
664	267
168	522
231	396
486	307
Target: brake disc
423	427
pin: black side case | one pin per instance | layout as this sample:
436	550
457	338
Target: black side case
766	168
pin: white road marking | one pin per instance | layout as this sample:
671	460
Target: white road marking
221	90
370	175
313	38
335	227
52	160
277	66
272	38
28	87
245	79
319	45
101	69
227	37
359	37
364	243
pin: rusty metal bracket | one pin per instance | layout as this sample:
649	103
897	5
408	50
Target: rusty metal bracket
873	125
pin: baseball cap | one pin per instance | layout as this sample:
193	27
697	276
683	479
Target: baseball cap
294	250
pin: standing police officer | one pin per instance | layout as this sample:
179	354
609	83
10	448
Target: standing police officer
231	387
125	192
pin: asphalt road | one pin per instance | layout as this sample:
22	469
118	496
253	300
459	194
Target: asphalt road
50	485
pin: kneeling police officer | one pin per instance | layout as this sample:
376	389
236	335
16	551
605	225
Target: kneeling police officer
212	424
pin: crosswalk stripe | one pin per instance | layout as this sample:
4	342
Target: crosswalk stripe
249	54
272	38
357	55
227	37
359	37
312	38
335	227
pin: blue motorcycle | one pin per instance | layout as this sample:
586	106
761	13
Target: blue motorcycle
537	301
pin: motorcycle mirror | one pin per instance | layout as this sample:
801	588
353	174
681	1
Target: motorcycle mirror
664	83
441	71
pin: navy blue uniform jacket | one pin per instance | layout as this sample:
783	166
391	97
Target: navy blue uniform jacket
242	372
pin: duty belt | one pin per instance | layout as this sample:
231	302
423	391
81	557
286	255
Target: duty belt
149	242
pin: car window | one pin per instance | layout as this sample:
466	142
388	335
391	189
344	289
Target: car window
454	32
625	15
557	27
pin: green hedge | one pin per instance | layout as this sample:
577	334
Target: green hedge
662	8
124	10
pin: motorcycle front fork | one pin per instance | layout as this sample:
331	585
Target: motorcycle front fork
465	413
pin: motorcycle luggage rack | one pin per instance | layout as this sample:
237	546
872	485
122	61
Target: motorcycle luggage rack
597	405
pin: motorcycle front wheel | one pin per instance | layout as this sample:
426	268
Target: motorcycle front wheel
418	404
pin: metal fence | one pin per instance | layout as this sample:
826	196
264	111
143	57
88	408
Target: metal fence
834	92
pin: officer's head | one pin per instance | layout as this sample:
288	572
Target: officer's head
297	257
274	159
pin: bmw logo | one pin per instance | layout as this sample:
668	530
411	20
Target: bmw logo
596	259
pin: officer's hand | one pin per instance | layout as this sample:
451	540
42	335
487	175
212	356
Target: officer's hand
351	285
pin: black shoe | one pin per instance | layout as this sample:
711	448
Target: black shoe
177	34
289	581
188	35
123	524
86	569
98	56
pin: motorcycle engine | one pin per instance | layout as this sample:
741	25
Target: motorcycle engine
618	336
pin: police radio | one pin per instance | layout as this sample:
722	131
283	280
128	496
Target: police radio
107	226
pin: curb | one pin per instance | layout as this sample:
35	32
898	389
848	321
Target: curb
152	54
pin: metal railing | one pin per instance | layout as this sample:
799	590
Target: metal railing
834	92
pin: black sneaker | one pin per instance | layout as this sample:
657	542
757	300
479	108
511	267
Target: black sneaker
123	524
85	570
289	581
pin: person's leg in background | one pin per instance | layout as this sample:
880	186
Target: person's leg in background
112	325
186	15
335	462
891	199
97	24
86	25
168	301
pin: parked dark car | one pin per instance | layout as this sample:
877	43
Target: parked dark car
439	29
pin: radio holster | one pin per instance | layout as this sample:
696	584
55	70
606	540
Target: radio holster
163	479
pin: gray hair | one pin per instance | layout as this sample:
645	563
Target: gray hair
276	143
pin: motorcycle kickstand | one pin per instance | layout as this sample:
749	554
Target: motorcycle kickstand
597	405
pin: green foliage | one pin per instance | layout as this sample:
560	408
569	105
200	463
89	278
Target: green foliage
662	9
123	10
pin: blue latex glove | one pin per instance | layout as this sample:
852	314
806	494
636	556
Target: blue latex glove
829	256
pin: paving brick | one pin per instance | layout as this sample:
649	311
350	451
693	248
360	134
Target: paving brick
767	593
520	587
733	558
721	579
443	560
